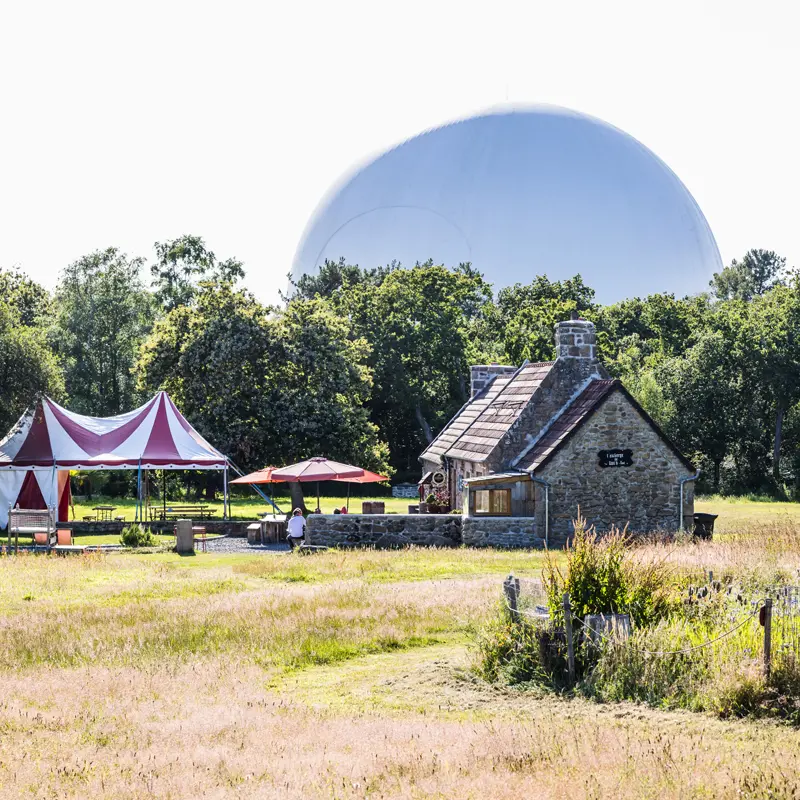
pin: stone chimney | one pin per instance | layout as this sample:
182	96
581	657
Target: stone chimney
576	339
482	374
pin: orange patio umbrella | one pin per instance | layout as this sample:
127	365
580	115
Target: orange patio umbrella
318	469
367	477
260	476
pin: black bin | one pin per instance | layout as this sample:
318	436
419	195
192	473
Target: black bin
704	525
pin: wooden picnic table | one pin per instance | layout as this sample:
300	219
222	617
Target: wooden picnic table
104	513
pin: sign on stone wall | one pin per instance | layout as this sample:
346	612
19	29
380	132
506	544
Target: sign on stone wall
616	458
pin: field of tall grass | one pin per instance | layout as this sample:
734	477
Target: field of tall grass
344	674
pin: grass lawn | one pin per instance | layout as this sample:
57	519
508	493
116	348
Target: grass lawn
342	674
241	508
736	513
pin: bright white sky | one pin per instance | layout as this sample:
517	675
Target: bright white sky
126	124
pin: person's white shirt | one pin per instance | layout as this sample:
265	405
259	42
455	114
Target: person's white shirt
296	527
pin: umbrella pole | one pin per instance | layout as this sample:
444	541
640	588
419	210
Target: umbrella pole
318	506
164	491
348	497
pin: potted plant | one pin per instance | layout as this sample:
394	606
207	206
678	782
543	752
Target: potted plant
437	502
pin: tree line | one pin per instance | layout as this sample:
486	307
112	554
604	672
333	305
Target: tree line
367	365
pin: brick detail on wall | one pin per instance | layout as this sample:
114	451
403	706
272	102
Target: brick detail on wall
645	496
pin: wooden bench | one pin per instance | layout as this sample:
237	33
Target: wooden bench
39	524
181	512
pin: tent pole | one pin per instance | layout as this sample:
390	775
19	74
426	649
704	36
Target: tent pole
139	491
348	497
225	492
164	492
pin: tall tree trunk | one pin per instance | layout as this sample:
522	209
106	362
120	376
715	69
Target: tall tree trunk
423	423
298	501
776	453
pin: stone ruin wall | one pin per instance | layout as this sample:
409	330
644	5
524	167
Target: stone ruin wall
384	530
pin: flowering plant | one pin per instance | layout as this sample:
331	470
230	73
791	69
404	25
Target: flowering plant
438	497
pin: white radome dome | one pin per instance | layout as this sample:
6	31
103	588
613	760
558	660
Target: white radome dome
521	192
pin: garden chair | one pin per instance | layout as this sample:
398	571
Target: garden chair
39	524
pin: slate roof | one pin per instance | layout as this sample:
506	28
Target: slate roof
576	413
480	425
465	417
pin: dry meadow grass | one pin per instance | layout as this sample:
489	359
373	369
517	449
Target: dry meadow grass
344	675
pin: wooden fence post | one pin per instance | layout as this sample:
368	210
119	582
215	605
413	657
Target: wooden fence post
767	636
570	643
511	589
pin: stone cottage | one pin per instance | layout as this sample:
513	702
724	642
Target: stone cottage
535	443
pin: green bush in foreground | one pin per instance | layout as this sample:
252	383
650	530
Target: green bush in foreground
667	661
137	536
601	578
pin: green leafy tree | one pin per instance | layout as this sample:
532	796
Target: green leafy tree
333	277
771	329
754	275
182	264
658	326
31	302
265	386
28	365
103	314
421	324
704	398
524	316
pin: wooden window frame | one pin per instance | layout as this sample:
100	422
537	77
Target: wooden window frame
490	513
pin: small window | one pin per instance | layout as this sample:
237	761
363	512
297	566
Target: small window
493	502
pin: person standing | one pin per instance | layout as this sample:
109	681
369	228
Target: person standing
296	529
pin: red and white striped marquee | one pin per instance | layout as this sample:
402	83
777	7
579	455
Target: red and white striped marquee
155	436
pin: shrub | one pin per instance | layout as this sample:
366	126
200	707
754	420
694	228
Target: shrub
602	578
520	651
137	536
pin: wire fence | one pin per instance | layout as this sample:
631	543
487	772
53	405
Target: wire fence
721	623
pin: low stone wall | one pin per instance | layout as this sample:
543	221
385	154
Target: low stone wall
507	532
384	530
227	527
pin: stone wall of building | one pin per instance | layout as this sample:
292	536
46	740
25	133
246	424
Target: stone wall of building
384	530
459	471
506	532
644	496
